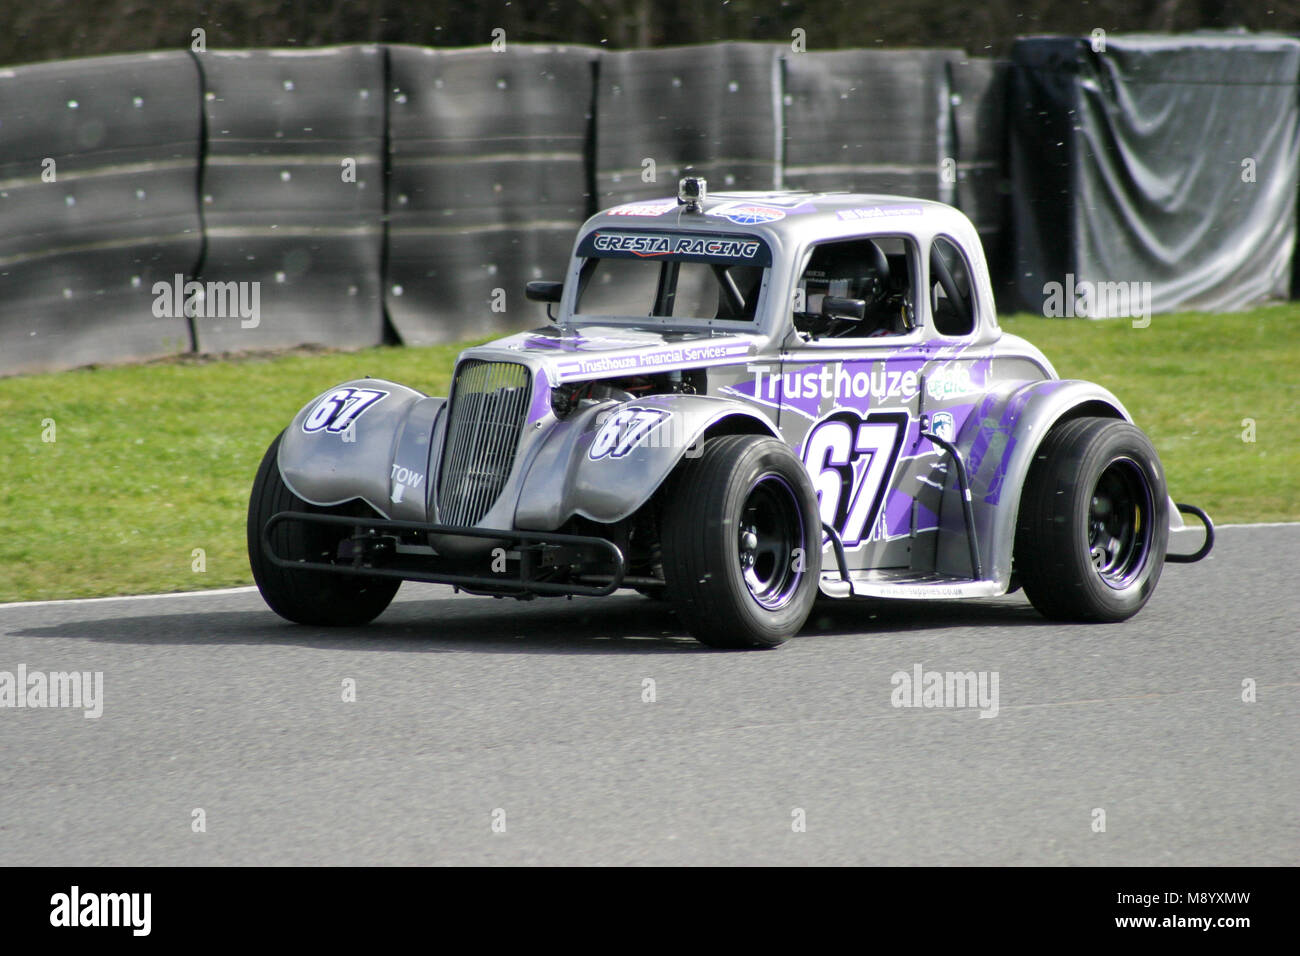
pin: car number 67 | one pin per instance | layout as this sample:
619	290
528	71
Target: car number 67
624	430
851	461
340	408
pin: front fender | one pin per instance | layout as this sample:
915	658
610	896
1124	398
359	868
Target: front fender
998	443
577	471
347	444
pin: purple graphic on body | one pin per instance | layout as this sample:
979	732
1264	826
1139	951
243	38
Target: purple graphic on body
541	406
996	440
573	343
898	515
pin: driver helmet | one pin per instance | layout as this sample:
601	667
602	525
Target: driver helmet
852	270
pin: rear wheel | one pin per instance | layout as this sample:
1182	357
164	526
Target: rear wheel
742	543
1093	523
306	597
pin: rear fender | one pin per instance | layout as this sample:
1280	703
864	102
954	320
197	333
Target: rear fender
366	439
605	462
998	442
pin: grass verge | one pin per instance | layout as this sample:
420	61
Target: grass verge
151	462
1199	385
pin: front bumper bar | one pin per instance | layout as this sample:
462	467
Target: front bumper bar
373	549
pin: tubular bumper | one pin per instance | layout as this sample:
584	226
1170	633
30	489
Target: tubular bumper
375	549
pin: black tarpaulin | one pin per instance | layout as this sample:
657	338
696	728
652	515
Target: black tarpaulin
979	108
1168	160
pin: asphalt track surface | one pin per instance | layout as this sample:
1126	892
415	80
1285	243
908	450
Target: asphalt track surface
467	705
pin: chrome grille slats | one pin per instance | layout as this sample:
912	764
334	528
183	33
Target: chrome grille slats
488	403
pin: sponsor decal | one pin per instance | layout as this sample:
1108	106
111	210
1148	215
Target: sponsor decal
649	245
942	424
653	207
624	430
950	381
746	213
340	408
877	212
791	204
658	358
828	381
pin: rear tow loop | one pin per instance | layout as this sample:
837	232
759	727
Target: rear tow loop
1209	536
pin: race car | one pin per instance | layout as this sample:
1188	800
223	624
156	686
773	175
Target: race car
741	402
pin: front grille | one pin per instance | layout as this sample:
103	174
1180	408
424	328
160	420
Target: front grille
488	403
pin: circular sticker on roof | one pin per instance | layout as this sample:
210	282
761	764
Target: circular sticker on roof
747	214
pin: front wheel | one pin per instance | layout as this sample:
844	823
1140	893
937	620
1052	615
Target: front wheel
742	543
1093	522
302	596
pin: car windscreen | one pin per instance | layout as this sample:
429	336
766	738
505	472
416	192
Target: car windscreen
674	275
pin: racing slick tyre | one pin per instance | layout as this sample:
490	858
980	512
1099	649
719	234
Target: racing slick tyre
306	597
1093	522
742	543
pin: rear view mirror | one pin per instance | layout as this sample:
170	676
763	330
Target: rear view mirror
836	307
542	291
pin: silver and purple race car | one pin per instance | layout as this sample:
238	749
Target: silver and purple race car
743	401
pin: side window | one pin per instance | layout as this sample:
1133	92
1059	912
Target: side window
857	288
951	301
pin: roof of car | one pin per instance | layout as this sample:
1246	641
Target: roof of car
787	213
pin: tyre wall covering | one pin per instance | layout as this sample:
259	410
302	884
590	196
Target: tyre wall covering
978	87
489	157
278	208
877	121
472	168
710	111
1168	160
99	160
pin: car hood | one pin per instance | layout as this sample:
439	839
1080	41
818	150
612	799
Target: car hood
602	351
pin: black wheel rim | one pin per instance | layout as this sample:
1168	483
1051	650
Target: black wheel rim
1120	515
771	534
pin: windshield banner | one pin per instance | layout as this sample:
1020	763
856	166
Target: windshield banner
692	247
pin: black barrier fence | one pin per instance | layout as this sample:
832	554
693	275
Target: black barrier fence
489	181
163	203
292	197
871	121
977	90
715	110
99	162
